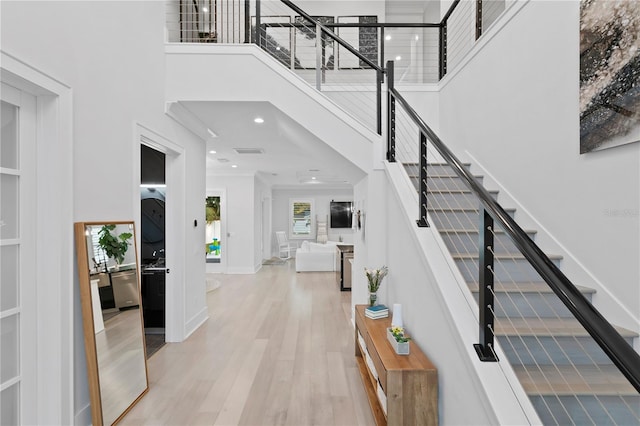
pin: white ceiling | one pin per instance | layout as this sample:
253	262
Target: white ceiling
292	155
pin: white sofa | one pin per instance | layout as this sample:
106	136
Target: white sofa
316	257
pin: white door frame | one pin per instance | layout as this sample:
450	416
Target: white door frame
57	288
174	218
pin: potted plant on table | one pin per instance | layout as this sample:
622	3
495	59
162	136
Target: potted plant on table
399	340
374	277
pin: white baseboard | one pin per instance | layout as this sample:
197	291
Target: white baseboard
194	323
83	416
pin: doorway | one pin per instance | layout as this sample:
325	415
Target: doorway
213	247
216	249
153	197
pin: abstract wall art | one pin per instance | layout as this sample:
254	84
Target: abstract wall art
609	73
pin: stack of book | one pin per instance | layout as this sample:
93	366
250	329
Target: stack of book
377	311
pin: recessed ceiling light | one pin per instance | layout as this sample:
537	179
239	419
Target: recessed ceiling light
277	47
313	177
398	57
258	120
234	165
417	37
205	9
212	152
387	37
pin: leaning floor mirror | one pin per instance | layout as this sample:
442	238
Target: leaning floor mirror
112	317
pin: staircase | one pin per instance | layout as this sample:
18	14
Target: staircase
564	372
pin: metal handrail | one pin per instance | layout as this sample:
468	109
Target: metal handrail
334	36
608	338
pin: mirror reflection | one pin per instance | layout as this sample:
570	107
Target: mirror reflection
114	337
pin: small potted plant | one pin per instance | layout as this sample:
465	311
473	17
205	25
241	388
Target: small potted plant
398	340
114	247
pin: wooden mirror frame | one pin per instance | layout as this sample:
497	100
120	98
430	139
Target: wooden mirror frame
88	320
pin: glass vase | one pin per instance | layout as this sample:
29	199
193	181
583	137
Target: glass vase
373	297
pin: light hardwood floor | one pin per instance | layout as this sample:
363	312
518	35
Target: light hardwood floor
277	350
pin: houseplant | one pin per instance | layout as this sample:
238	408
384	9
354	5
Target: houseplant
374	277
114	247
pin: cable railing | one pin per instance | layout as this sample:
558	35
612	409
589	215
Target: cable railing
570	360
347	64
314	48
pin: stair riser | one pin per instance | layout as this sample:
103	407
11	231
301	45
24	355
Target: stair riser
530	305
457	219
441	183
459	243
448	200
558	350
507	270
435	170
587	409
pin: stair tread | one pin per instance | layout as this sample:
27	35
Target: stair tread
464	209
430	176
475	231
457	191
503	256
435	164
547	327
526	287
567	380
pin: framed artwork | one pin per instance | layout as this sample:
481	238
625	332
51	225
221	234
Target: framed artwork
609	73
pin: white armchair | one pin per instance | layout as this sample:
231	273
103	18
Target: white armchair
285	246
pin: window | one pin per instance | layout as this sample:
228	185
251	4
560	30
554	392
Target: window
301	212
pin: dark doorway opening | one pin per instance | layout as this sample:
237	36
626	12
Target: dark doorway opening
153	251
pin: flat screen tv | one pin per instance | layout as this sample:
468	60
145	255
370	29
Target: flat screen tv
341	214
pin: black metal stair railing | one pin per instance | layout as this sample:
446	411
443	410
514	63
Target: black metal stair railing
626	359
325	33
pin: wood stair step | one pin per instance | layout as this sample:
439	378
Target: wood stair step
526	287
501	257
558	327
570	380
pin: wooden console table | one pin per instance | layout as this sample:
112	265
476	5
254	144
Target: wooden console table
402	389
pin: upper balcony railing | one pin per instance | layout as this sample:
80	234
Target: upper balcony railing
348	63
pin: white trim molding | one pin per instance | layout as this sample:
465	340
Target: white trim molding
54	401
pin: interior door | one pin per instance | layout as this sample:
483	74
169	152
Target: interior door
18	326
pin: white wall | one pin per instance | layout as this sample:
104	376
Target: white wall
321	199
514	109
370	242
240	204
105	51
262	194
247	73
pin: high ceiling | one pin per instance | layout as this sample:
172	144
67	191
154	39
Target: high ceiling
282	152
